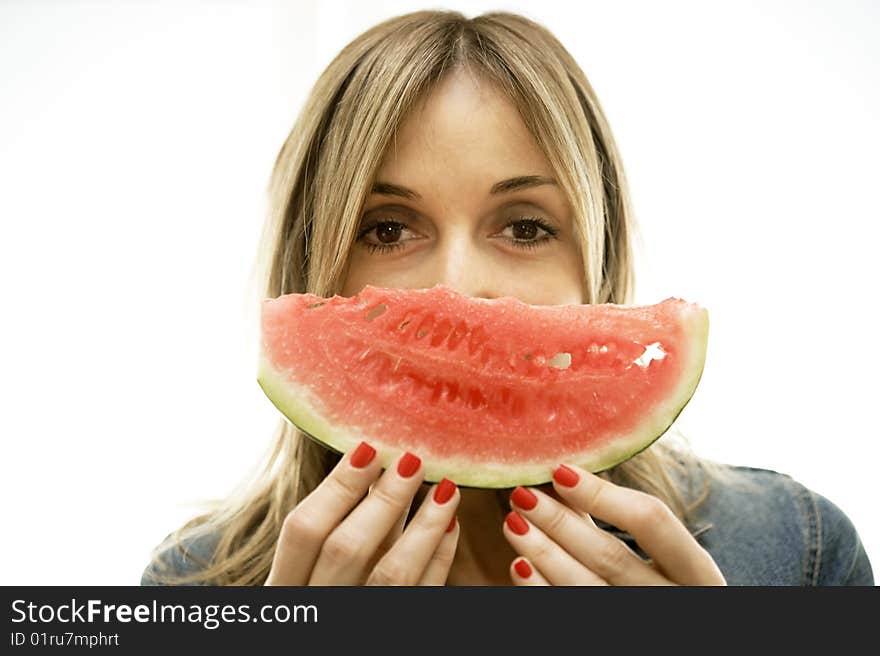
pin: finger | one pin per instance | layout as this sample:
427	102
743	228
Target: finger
345	554
600	551
654	526
557	565
551	492
306	527
437	571
406	561
522	573
395	532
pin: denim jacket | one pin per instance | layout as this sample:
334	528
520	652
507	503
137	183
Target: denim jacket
763	528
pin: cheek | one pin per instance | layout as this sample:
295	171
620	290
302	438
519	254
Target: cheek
378	271
553	289
559	281
351	284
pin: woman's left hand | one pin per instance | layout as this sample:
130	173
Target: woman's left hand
560	544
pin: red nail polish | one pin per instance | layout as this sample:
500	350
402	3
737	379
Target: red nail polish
522	568
408	465
362	456
524	498
451	526
516	523
444	491
565	476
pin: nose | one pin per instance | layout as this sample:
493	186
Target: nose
464	264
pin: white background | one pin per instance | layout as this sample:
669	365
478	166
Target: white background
136	141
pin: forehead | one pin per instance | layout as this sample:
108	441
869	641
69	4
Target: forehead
464	126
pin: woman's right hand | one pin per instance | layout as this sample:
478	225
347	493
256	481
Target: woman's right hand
338	536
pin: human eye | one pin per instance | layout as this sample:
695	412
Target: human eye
384	229
524	230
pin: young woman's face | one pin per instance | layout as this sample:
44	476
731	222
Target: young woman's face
446	207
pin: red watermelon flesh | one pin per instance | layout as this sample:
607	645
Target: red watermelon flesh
489	393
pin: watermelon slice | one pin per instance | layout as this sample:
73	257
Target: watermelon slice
488	393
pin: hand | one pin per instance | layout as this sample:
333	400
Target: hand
562	545
337	536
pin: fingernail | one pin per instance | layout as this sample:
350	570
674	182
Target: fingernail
362	455
444	491
408	465
451	526
524	498
522	568
516	523
565	476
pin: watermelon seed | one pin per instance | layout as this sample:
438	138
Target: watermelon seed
377	311
523	364
404	324
315	305
425	327
475	400
379	367
560	361
457	335
441	332
365	353
518	406
477	340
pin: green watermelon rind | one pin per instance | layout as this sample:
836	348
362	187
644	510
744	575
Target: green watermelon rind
295	401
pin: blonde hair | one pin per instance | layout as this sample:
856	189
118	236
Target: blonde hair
320	181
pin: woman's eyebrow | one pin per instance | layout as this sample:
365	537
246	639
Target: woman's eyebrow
505	186
521	182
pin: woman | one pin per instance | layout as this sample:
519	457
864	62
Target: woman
474	153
